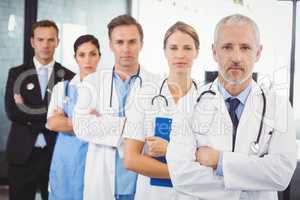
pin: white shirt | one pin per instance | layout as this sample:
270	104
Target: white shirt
40	141
49	66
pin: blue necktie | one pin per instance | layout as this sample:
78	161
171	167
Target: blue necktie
233	104
43	79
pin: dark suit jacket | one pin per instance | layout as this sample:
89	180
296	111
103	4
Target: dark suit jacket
29	120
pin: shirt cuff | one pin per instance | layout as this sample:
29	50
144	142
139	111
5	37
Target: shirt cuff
219	170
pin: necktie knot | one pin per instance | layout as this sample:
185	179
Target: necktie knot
43	70
233	104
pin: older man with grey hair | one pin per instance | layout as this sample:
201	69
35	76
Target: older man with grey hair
241	140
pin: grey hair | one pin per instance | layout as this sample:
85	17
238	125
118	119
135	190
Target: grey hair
240	20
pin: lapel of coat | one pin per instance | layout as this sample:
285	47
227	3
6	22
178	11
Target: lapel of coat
109	88
56	76
31	70
213	106
220	106
250	117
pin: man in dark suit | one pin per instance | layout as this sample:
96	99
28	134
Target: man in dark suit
28	89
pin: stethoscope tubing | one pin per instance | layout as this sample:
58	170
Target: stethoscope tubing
137	75
160	95
210	91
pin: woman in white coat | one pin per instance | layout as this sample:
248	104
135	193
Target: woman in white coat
241	141
149	123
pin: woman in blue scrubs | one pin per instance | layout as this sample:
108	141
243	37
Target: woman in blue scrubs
66	176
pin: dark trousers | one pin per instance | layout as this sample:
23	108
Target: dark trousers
26	179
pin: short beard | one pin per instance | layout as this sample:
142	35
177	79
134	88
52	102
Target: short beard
235	82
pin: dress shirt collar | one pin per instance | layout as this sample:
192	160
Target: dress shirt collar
38	65
242	97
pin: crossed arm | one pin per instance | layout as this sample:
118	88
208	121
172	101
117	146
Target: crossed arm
18	110
144	164
58	122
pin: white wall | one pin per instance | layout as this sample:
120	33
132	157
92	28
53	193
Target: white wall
76	17
273	18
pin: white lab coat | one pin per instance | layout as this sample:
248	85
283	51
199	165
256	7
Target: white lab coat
58	95
141	123
245	176
103	133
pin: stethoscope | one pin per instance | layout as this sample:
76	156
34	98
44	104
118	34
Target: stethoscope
164	97
136	76
66	92
254	146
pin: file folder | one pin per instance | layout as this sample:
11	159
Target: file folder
163	128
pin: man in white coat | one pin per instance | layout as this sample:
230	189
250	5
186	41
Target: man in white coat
99	115
241	141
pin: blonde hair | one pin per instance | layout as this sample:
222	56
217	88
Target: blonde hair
184	28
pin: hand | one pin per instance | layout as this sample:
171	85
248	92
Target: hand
58	111
157	146
95	112
18	99
207	156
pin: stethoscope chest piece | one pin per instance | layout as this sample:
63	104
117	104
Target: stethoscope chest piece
66	99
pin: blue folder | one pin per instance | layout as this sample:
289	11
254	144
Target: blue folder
162	129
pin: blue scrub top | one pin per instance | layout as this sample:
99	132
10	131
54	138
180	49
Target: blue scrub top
66	176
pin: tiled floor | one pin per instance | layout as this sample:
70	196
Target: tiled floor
4	193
